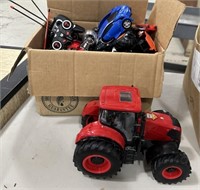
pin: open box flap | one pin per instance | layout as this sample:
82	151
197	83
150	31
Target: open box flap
165	15
95	10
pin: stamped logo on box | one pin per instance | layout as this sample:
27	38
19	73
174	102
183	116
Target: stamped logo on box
60	104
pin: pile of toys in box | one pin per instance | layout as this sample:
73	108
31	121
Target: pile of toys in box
115	32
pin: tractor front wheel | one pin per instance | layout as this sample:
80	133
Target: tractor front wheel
98	158
171	168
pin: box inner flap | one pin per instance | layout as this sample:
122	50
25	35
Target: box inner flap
165	15
95	10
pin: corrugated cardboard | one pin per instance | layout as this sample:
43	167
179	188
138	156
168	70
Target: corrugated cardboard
83	73
95	10
191	92
61	105
165	14
87	72
65	105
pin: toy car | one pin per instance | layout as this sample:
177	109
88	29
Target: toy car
115	23
116	131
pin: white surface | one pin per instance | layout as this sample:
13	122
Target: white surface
16	29
37	151
196	69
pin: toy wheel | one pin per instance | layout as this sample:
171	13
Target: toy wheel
67	24
171	168
98	158
56	45
127	24
86	120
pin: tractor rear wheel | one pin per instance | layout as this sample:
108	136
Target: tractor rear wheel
98	158
171	169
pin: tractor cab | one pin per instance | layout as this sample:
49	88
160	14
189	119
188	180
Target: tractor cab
120	98
119	109
116	131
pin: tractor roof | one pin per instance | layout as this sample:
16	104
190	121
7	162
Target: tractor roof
120	98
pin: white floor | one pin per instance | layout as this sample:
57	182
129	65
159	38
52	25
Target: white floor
37	151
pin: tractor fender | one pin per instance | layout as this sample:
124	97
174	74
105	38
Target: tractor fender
158	150
96	129
91	108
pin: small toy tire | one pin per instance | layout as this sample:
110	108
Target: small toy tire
98	158
67	24
171	169
127	24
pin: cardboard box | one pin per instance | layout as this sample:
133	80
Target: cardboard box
83	73
190	3
191	84
71	105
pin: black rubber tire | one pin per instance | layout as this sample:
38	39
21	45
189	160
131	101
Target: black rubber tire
86	120
104	149
171	169
127	27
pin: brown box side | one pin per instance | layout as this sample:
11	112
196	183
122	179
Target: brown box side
73	73
78	73
191	92
71	106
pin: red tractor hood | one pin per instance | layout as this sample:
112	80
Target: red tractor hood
161	127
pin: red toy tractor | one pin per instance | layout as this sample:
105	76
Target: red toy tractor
116	131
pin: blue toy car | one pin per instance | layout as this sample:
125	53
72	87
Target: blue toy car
115	23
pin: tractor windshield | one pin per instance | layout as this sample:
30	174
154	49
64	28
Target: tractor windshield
123	121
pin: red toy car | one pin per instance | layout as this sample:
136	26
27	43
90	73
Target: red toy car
116	131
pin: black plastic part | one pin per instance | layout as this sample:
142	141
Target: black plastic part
64	35
85	120
160	149
175	135
129	155
10	87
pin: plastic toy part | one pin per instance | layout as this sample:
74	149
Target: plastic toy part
96	164
75	45
98	158
89	40
115	23
62	33
150	29
119	132
97	129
